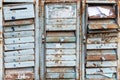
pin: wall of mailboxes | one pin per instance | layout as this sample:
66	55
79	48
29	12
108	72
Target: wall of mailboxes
59	40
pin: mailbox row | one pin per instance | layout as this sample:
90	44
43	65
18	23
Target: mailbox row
19	41
101	43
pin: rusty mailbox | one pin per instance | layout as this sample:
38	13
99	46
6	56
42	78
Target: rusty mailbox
59	40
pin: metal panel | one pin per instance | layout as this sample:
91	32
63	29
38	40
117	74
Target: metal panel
101	1
19	58
25	73
61	21
60	27
18	28
19	53
101	64
61	45
60	41
18	22
19	46
18	34
102	40
19	40
101	12
18	12
102	26
102	46
11	1
60	51
19	64
60	63
60	11
60	75
101	77
1	42
101	70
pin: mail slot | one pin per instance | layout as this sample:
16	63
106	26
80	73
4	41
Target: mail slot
16	12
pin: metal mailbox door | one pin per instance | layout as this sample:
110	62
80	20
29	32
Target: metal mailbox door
60	41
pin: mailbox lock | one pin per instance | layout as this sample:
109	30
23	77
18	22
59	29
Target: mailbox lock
13	18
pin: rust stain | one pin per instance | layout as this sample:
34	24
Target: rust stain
1	42
103	26
61	75
19	22
24	76
101	57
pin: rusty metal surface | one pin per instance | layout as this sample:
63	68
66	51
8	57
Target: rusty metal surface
18	74
61	59
102	26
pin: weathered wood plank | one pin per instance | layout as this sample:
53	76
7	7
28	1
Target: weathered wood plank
101	57
19	40
60	70
60	34
19	64
19	53
19	58
101	70
18	22
11	1
101	52
61	21
60	39
60	45
60	27
101	64
19	46
102	40
19	28
61	57
24	73
60	75
60	51
102	46
58	11
18	12
19	34
60	63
